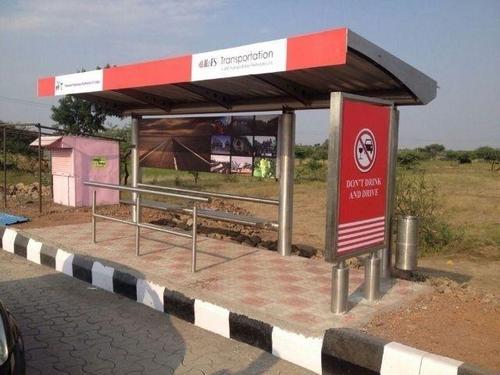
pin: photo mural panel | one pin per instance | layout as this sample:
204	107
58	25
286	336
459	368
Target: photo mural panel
245	145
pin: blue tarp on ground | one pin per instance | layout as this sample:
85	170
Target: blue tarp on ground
7	219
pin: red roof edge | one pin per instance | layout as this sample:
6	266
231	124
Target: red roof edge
317	49
46	86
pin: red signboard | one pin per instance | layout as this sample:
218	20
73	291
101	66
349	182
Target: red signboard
363	171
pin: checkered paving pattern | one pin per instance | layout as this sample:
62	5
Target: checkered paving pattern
290	292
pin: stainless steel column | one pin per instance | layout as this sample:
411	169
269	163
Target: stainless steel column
5	166
340	288
194	239
137	221
39	168
286	138
94	192
134	161
386	254
372	277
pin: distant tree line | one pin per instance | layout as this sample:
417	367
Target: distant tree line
319	151
409	158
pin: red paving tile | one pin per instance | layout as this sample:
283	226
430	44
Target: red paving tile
304	317
317	271
298	302
255	301
293	289
322	280
324	289
249	277
286	278
250	288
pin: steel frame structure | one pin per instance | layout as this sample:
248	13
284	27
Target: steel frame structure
136	220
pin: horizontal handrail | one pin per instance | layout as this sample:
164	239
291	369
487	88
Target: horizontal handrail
136	220
160	229
144	191
215	195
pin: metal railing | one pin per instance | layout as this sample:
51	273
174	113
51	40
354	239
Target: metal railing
136	222
210	194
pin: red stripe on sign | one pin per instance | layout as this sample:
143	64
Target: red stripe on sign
356	223
361	227
46	86
318	49
375	241
363	237
361	232
160	72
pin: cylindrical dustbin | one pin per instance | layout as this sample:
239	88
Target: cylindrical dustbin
407	243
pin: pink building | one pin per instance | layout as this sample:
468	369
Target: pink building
77	159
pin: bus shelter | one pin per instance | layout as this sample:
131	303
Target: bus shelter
323	70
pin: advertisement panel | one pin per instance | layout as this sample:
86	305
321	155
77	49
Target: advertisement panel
79	82
245	145
257	58
359	203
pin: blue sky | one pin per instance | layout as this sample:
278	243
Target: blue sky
454	42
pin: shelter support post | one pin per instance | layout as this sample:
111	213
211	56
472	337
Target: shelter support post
372	277
194	239
39	168
340	288
5	166
134	162
286	155
386	254
94	192
137	221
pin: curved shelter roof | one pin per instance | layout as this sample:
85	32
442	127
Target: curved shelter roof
297	72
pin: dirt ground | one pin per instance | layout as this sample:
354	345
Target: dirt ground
460	319
456	320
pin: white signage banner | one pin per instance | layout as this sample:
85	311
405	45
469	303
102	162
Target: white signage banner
258	58
79	82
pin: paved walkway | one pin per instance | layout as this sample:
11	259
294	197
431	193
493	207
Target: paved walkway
70	327
290	292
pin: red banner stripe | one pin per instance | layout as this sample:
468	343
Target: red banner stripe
159	72
315	50
46	86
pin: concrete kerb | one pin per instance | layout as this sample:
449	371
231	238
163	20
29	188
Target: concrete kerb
338	351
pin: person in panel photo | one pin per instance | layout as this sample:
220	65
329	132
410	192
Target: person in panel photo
265	146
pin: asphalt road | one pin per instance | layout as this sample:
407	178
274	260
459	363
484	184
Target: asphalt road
70	327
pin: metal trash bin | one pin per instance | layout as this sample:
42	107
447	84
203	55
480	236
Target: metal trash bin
407	243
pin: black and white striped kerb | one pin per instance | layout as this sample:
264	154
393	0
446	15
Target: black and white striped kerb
340	356
338	351
177	304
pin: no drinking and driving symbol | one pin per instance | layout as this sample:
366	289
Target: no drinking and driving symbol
365	150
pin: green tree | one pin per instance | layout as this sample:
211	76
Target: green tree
78	116
74	115
489	154
409	159
123	134
434	149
